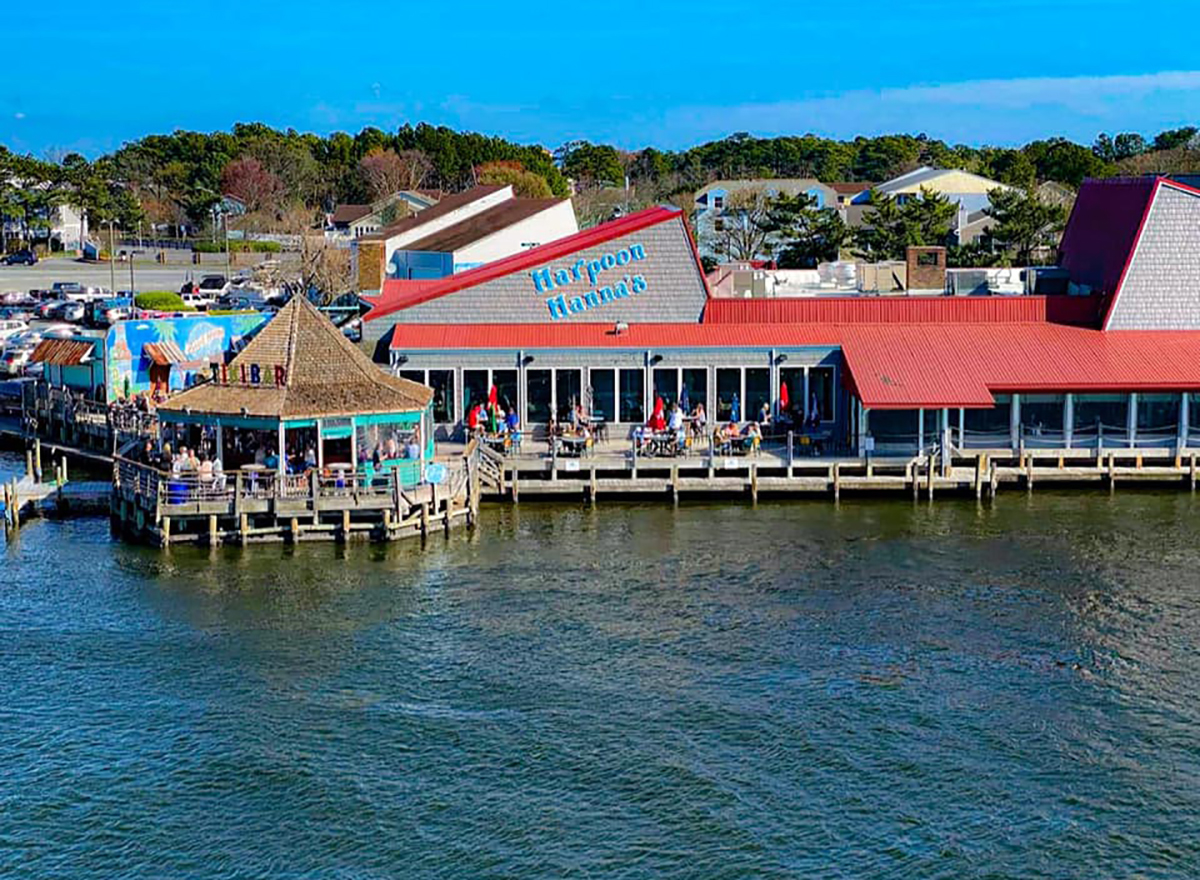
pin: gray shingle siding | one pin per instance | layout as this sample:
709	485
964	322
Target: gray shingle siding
1162	286
674	289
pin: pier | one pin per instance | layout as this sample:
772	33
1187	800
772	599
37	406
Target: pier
151	505
777	471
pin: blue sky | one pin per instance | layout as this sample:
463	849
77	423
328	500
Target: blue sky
666	73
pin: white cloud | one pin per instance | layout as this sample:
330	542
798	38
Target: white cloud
995	110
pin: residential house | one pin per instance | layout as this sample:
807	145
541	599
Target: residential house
460	232
851	192
715	205
354	221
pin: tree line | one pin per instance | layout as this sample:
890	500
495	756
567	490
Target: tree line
286	179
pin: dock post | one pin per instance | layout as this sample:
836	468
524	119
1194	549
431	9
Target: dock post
445	512
16	504
315	490
424	520
29	465
591	491
516	492
244	527
912	472
979	475
790	455
634	459
296	525
1112	472
711	468
554	459
837	480
166	531
1029	474
1193	469
932	475
65	478
346	524
37	460
213	540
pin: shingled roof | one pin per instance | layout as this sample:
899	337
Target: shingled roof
325	375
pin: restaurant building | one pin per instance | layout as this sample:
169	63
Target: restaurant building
619	314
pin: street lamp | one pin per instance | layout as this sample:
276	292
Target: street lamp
112	256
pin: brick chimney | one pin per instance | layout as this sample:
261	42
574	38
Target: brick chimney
925	268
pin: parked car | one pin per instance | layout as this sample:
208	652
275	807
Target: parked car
14	359
24	257
15	298
71	310
104	312
46	309
199	300
64	289
59	331
12	328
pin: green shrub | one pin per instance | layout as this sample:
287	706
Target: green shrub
161	301
237	247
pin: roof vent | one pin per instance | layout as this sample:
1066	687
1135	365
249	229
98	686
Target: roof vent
620	327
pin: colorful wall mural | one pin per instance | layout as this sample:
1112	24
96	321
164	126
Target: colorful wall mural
171	353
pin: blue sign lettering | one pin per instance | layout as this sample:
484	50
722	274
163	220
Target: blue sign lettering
548	279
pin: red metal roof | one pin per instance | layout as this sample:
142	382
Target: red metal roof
1103	230
397	295
562	335
891	366
904	310
899	367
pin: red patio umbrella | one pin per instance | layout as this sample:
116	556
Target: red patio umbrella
493	396
783	397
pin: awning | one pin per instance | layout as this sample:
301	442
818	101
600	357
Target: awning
62	352
163	353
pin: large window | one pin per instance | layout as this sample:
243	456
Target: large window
537	396
758	392
996	421
506	388
695	383
792	378
729	393
413	375
1109	410
604	396
633	393
442	383
568	391
932	427
666	385
1157	411
475	389
820	385
893	427
1041	413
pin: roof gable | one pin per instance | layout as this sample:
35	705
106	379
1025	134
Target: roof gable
1102	231
324	374
441	209
398	295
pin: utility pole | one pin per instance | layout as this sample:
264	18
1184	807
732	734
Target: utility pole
225	223
112	265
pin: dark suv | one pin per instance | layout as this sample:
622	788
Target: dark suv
21	258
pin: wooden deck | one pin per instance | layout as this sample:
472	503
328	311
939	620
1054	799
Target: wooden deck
773	471
165	509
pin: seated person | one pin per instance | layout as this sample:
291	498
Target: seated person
764	414
675	424
411	449
511	422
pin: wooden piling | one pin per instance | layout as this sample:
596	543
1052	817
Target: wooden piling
213	537
244	526
1112	472
29	465
837	480
295	524
753	482
592	481
1192	466
166	530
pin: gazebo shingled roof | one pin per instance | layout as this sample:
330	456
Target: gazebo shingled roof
326	375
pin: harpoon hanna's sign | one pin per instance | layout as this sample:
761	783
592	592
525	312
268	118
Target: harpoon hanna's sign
249	374
591	272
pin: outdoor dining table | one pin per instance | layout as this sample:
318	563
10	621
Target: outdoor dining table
570	444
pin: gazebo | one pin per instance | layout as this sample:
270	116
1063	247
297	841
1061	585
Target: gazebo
301	395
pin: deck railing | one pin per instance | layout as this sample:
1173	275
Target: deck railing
132	478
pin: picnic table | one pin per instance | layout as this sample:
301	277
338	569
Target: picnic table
662	444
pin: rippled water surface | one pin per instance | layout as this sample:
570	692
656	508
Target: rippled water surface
880	689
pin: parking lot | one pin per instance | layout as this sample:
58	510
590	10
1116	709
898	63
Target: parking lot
146	275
